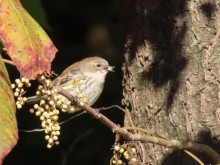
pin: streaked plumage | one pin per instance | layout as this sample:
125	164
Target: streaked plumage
91	72
84	80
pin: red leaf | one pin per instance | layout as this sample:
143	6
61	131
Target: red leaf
25	41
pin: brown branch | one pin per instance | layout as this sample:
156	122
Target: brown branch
8	62
171	143
90	110
140	137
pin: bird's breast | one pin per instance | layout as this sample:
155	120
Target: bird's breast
88	87
91	89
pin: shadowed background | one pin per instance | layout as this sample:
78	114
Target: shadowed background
79	29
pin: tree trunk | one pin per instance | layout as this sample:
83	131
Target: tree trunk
172	73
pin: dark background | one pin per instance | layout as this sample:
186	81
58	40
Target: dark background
79	29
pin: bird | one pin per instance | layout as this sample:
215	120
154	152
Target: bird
83	80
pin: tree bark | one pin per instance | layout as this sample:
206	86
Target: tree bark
172	73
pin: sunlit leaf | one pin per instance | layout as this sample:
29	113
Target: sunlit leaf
8	124
25	41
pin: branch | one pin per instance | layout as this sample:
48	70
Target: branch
89	110
144	138
171	143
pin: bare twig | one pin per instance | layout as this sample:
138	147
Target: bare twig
110	107
33	130
143	130
144	138
77	115
8	62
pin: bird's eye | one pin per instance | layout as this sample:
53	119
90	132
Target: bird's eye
98	65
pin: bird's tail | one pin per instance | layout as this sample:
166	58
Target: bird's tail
35	99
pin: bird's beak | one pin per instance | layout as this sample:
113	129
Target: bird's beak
109	68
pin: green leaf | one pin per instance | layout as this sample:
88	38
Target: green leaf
25	41
8	124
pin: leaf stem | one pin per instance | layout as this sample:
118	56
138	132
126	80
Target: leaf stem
8	62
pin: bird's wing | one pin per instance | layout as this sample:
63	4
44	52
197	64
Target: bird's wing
71	77
72	68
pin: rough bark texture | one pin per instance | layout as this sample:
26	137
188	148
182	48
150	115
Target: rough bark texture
172	72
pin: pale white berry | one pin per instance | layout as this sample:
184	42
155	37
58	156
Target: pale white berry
12	86
49	146
116	148
133	150
17	81
19	106
121	150
50	140
133	159
36	106
47	137
120	162
55	138
16	94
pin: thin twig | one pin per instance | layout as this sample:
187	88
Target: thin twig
143	130
33	130
110	107
77	115
194	157
8	62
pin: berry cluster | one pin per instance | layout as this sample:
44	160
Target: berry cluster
47	111
48	105
124	153
19	91
48	115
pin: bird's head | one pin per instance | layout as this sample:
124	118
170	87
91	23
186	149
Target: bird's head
96	67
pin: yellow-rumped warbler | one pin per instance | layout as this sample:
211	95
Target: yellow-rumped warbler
83	80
